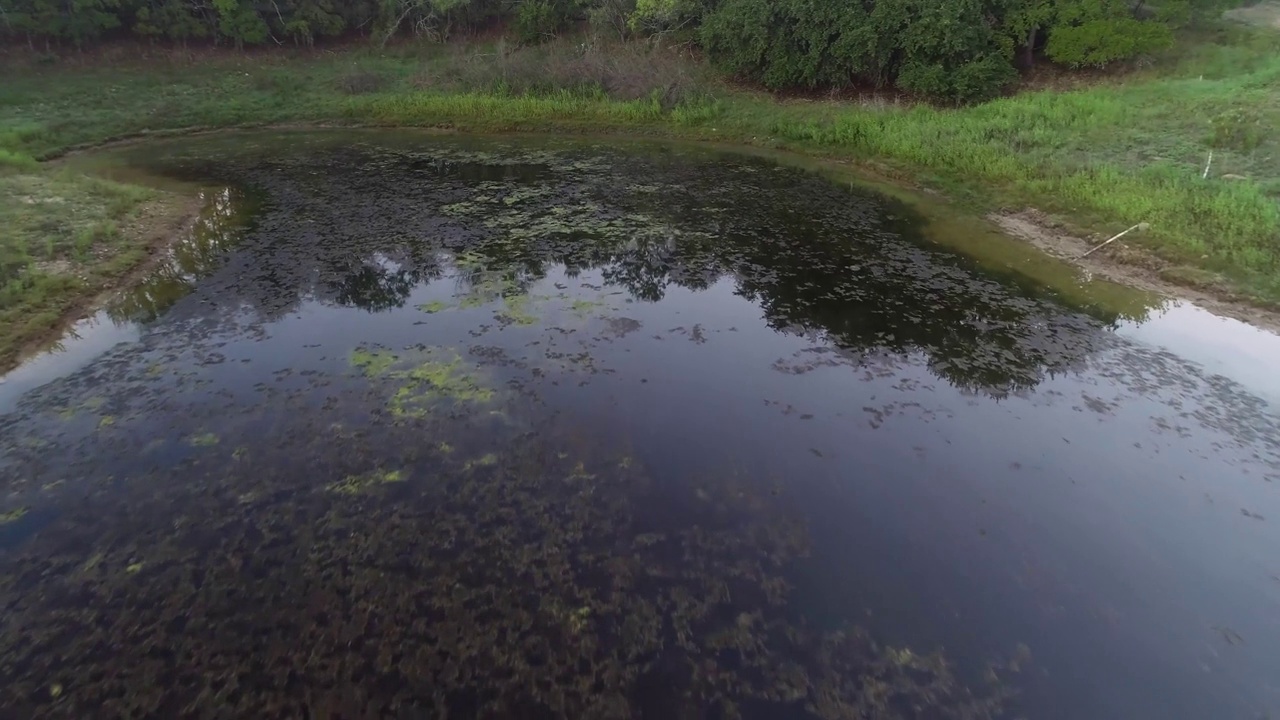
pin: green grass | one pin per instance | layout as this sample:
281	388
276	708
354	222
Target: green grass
60	241
1126	148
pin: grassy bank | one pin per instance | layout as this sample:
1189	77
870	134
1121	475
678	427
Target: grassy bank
1105	154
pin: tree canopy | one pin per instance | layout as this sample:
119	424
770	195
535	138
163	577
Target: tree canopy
962	50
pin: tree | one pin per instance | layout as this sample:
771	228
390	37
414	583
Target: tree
239	22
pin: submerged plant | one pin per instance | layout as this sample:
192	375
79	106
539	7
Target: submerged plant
12	516
203	440
361	484
434	306
516	310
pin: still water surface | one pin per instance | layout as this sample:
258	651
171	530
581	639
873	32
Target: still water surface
412	425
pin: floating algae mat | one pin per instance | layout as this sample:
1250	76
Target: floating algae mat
485	428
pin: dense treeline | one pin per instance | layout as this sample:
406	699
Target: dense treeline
956	49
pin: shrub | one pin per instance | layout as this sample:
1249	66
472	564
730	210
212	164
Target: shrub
947	50
1098	43
972	81
540	20
787	43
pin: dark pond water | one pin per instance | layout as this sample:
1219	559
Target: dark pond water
413	426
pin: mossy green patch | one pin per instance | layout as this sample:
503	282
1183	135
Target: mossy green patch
106	421
367	482
134	568
203	440
12	516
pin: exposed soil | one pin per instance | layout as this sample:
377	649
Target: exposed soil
1131	266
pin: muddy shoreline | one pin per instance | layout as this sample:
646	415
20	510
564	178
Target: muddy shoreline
1127	265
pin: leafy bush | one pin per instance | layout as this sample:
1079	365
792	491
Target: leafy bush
787	43
540	20
972	81
1098	43
944	51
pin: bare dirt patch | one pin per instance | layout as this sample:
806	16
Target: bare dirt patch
1132	266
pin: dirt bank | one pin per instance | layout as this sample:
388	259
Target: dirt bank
1123	263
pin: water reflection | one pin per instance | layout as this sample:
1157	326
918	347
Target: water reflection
194	254
362	226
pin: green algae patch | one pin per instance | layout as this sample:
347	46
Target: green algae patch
433	382
585	307
203	440
367	482
433	307
423	382
372	363
106	421
516	310
12	516
486	460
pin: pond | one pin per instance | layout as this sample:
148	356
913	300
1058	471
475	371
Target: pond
417	426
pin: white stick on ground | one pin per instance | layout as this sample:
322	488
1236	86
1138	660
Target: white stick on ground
1205	176
1139	226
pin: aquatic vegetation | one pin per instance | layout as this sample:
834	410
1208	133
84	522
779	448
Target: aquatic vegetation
579	472
207	439
434	306
106	421
373	363
422	380
516	310
584	308
432	382
12	515
455	554
486	460
362	484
